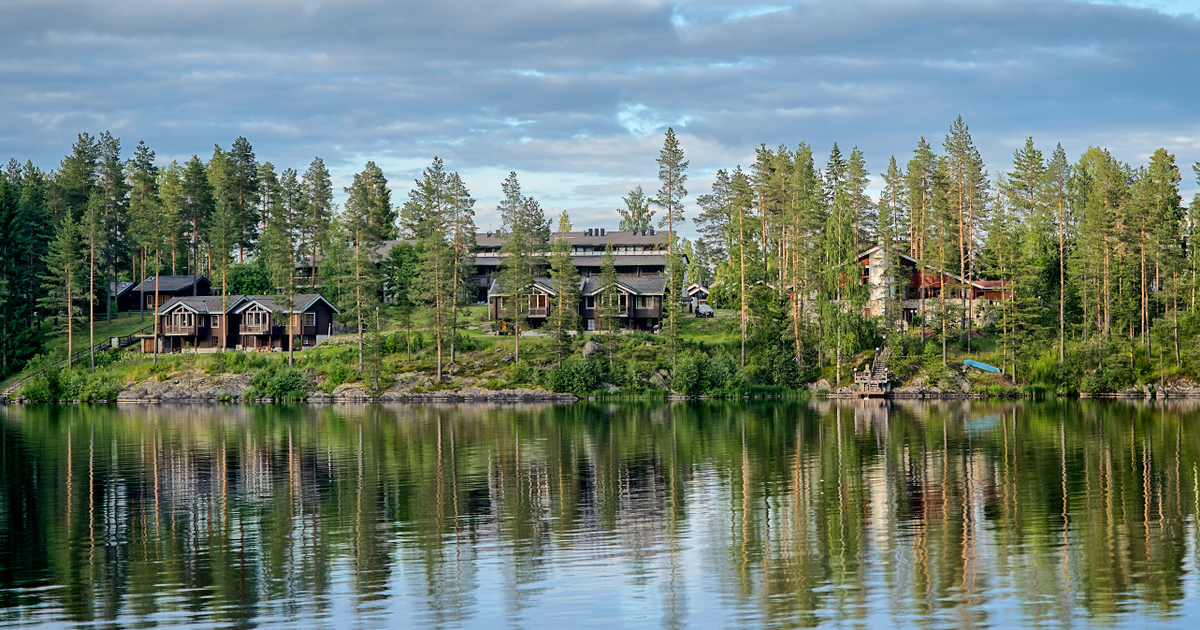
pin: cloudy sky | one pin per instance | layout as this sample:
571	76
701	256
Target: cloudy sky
575	95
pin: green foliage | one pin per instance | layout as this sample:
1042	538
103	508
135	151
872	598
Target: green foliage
251	278
76	383
524	373
281	382
577	375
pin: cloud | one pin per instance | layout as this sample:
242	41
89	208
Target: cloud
575	95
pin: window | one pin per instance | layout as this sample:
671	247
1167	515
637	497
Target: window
591	324
310	319
589	302
215	320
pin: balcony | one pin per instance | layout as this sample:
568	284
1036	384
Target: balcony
538	312
255	329
170	329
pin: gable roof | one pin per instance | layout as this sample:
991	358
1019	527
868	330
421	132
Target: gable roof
170	284
203	305
117	289
278	303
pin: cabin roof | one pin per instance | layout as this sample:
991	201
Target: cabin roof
278	303
203	305
117	289
170	284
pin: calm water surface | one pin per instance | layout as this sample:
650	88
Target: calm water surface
958	514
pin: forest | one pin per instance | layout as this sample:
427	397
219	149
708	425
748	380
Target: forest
1096	253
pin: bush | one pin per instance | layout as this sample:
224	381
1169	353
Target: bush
280	382
576	376
523	372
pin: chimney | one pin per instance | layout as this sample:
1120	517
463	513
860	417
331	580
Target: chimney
589	232
651	231
601	231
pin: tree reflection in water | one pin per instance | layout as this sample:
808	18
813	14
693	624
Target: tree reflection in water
700	514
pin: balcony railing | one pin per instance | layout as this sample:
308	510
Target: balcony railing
538	312
170	329
255	329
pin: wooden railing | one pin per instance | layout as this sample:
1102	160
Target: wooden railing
254	329
171	329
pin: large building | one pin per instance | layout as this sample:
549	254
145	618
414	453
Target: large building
640	261
901	279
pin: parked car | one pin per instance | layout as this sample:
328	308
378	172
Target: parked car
704	310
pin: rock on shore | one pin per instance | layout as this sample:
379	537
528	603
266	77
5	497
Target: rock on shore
198	386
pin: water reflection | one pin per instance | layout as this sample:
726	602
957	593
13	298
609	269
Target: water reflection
956	514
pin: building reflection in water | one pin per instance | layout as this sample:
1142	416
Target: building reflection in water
947	514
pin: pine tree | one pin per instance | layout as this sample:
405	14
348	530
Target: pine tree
318	193
91	230
891	219
1058	175
197	210
224	225
115	220
429	216
1166	213
462	220
76	178
526	235
282	203
672	176
564	316
399	271
144	192
609	302
241	192
966	195
1026	193
63	270
369	220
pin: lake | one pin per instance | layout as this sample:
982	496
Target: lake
709	515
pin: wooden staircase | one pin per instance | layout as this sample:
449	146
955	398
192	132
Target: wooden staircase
76	357
877	380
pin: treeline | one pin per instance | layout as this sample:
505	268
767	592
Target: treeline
99	218
1095	252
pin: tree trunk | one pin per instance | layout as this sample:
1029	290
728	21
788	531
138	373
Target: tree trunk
70	322
92	302
155	314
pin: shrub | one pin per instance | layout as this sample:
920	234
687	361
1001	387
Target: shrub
523	372
280	382
576	376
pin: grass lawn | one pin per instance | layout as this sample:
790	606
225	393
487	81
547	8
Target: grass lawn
54	337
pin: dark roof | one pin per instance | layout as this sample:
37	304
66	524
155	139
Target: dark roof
644	285
278	303
206	304
621	260
117	289
170	283
639	285
649	237
581	238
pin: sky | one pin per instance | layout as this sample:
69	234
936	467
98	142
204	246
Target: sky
575	95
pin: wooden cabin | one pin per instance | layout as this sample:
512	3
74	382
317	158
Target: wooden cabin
247	322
